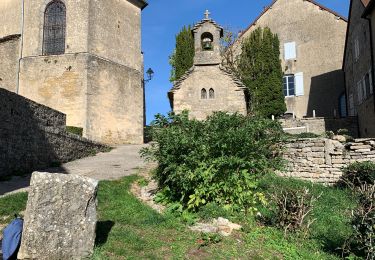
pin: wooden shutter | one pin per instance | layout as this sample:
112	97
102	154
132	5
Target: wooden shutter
298	79
290	51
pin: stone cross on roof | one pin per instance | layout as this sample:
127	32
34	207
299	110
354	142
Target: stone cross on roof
207	14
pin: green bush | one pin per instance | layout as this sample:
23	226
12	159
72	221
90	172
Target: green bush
357	174
75	130
362	241
217	160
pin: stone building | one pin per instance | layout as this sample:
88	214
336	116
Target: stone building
312	41
358	66
207	87
82	58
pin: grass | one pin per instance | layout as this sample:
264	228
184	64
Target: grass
128	229
11	205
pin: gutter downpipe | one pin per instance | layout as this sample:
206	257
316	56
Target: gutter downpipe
21	46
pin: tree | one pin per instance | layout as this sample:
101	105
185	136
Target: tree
259	67
182	58
228	50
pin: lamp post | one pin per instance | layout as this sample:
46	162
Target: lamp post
150	74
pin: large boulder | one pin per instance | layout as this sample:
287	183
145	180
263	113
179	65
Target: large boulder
60	217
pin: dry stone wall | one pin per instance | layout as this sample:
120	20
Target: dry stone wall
33	136
321	160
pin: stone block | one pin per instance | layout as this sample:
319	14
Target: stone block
318	160
306	150
317	149
60	217
360	147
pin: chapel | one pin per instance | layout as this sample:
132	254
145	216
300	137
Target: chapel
207	86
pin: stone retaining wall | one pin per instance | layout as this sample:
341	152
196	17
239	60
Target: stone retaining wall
33	137
321	160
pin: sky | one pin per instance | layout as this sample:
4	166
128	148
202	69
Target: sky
163	19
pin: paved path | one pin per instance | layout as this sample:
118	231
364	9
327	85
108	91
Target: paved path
121	161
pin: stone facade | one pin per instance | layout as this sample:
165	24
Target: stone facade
208	87
33	136
321	160
98	80
60	217
319	36
358	67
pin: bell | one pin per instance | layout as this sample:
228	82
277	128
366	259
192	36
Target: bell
207	45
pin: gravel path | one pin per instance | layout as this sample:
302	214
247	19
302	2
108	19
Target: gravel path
121	161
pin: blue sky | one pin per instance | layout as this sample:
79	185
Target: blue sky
163	19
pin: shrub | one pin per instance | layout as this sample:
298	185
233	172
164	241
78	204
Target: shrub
75	130
292	209
302	135
217	160
362	242
357	174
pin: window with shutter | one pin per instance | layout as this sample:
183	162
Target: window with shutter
288	85
290	51
300	91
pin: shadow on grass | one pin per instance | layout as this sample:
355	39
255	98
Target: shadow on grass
102	231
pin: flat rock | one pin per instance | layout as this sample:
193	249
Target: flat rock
220	225
60	217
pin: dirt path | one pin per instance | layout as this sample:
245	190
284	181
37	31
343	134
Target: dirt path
121	161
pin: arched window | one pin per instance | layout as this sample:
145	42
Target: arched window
203	93
211	93
54	28
207	41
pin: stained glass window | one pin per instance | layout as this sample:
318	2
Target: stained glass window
54	28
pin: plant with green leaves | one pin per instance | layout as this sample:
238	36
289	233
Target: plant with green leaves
259	67
358	174
199	163
182	58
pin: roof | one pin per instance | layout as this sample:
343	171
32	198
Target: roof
369	4
10	37
199	24
139	3
365	2
311	1
177	84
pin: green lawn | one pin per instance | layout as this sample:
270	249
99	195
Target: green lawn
127	229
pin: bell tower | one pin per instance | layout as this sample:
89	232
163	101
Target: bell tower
207	35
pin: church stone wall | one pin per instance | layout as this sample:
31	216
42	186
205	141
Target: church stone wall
77	26
59	82
115	32
228	96
115	103
11	17
9	53
320	40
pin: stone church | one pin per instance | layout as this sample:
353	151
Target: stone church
82	58
207	87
